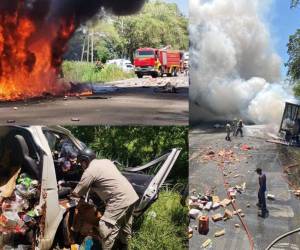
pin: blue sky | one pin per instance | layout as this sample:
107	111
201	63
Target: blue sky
283	22
183	5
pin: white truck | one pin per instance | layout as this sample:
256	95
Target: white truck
34	149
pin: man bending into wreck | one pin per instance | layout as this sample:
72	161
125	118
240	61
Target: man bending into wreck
103	178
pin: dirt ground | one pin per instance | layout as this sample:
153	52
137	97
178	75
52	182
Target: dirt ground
206	174
134	101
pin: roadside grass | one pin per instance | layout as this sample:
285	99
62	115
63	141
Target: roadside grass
85	72
163	226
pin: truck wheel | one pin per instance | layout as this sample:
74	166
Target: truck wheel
139	75
174	72
161	72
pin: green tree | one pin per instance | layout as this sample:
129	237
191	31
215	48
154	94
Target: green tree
134	146
159	24
294	3
293	63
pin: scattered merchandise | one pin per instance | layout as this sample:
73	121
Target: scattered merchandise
217	217
206	243
194	213
203	225
220	233
19	212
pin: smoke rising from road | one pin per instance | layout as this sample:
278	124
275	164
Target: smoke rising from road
234	71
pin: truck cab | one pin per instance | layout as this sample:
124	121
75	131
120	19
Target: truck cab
145	62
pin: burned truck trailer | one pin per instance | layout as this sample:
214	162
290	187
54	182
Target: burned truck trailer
290	124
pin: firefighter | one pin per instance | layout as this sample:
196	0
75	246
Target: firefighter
228	131
103	178
262	180
234	126
240	128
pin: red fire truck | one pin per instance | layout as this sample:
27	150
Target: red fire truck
157	62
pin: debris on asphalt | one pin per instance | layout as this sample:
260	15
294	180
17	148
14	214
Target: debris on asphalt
10	121
237	225
195	213
190	232
246	147
271	196
75	119
206	243
217	217
203	224
16	108
220	233
224	203
227	215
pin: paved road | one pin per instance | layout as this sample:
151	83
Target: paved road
136	101
205	174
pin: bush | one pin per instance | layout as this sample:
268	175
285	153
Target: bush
76	71
163	226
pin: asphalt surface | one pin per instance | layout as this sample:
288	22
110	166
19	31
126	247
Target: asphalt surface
134	101
206	175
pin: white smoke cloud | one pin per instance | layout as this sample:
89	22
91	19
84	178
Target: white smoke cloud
234	69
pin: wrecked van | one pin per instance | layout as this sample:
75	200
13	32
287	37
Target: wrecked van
36	211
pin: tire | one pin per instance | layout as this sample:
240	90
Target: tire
154	75
161	72
139	75
174	72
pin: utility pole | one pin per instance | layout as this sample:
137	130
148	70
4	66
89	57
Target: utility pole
88	49
83	48
92	43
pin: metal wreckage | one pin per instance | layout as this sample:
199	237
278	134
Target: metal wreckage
36	211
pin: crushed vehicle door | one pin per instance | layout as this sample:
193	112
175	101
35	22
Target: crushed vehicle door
147	186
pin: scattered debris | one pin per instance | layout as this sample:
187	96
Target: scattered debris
220	233
195	213
190	232
246	147
224	203
11	121
203	225
271	196
16	108
248	205
217	217
227	214
208	206
206	243
74	119
237	225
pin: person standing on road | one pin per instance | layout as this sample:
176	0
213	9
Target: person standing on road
234	126
262	180
228	131
240	128
103	178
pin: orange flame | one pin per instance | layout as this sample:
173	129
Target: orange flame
30	61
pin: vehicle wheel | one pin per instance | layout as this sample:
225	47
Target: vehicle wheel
154	75
174	72
139	75
161	72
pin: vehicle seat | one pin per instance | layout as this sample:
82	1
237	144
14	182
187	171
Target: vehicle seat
29	165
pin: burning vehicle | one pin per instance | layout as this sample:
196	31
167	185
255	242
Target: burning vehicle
33	39
39	171
290	124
